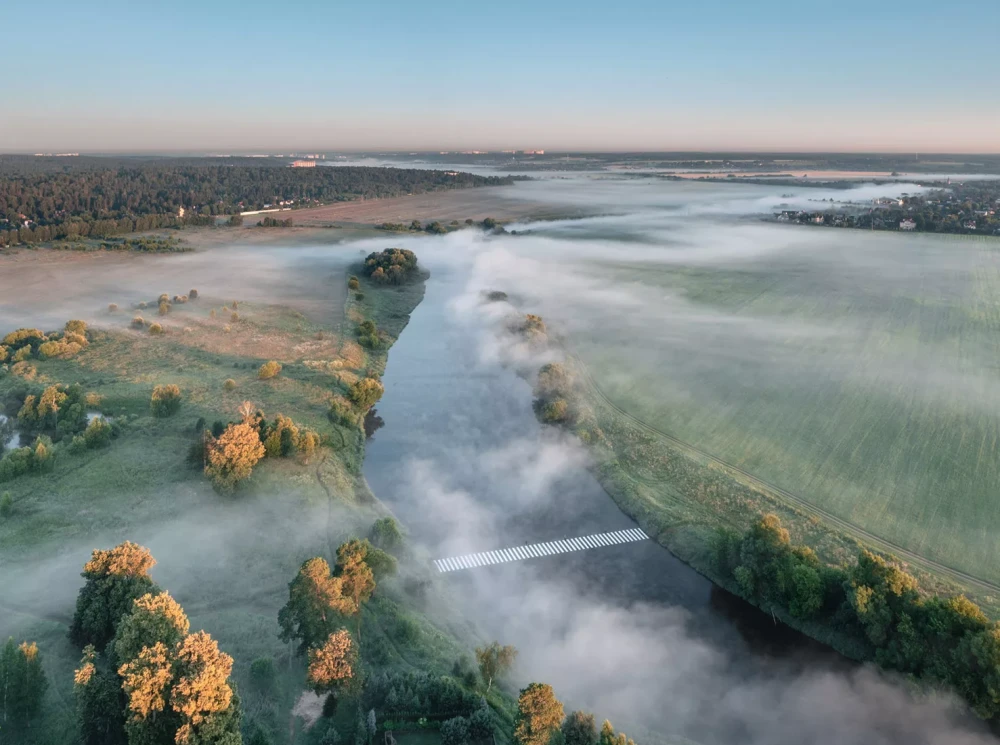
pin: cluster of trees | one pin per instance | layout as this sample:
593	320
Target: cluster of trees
541	720
24	344
530	327
874	602
22	685
144	679
368	335
274	222
228	452
391	266
554	394
115	197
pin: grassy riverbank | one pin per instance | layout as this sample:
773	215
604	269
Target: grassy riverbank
226	559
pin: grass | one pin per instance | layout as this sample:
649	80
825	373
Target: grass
227	560
861	406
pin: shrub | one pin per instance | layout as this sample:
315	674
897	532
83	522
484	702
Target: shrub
22	354
98	433
229	384
211	313
269	370
6	504
234	317
360	296
112	307
166	400
163	298
385	534
193	294
555	411
353	283
143	305
341	413
164	308
232	456
76	327
366	393
455	731
155	329
138	322
262	673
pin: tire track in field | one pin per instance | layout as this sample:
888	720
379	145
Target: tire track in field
845	525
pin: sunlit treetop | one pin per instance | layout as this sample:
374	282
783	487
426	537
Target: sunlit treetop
124	560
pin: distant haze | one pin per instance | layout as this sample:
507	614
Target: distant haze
438	74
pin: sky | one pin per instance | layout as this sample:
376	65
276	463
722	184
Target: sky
441	74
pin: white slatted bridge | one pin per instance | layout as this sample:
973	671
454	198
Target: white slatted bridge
537	550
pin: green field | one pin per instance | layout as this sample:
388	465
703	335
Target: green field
861	379
226	559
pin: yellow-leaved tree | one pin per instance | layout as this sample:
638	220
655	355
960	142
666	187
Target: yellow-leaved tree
232	455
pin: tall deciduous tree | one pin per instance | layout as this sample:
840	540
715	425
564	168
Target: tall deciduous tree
539	714
114	579
580	728
494	660
232	456
332	664
22	684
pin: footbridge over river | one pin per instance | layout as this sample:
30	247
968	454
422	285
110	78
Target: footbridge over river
538	550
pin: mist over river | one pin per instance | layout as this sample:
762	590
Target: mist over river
626	631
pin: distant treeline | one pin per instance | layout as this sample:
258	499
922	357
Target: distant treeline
82	199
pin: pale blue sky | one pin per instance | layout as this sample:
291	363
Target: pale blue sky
629	74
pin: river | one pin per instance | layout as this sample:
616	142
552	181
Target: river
628	630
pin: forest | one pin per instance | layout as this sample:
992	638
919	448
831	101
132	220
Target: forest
40	201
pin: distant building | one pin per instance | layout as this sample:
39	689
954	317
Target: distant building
818	219
907	224
534	152
303	164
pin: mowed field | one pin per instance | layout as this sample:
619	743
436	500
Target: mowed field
862	375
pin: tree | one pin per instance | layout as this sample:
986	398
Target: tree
269	370
315	596
202	696
99	711
366	392
580	728
114	579
232	456
455	731
356	576
154	618
539	714
22	683
332	665
494	661
608	736
166	400
385	534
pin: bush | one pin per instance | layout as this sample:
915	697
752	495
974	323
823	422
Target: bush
455	731
262	673
112	307
166	400
6	504
163	298
229	385
234	317
481	723
385	534
138	322
366	393
76	327
193	294
155	329
269	370
97	434
164	308
143	305
353	283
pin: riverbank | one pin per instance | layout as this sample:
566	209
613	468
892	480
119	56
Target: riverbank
227	560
